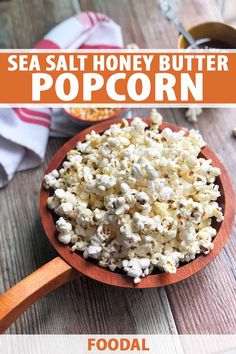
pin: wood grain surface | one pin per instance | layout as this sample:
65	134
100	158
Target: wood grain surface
203	304
28	291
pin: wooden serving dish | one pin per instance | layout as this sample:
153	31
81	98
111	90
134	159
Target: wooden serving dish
70	265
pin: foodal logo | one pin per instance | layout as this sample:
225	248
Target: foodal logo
118	344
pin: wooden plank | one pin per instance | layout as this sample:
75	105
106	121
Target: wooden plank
25	247
85	306
203	297
125	14
143	23
75	314
23	23
205	303
29	290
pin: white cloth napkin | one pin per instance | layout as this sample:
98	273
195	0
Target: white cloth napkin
24	132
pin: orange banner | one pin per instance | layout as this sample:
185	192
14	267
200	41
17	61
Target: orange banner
117	77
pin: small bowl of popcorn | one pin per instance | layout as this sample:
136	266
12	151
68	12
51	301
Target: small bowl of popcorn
137	203
92	115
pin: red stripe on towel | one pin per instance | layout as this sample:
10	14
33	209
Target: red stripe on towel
30	120
47	44
37	114
90	18
83	19
101	17
99	46
97	17
93	18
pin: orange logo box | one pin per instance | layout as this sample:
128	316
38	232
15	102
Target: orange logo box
117	77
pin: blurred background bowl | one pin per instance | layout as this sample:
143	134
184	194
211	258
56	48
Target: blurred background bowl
216	31
120	113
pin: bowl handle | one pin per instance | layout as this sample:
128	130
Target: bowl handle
21	296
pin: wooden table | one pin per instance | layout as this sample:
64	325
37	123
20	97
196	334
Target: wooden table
205	303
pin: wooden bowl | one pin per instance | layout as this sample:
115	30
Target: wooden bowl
86	122
213	30
71	265
92	270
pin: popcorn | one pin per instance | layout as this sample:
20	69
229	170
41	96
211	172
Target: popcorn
142	198
136	198
105	182
151	172
144	263
59	193
53	203
64	209
64	229
156	118
166	193
94	251
63	226
137	171
193	113
132	46
64	238
51	181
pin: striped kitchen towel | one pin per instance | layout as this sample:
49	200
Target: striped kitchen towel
24	132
